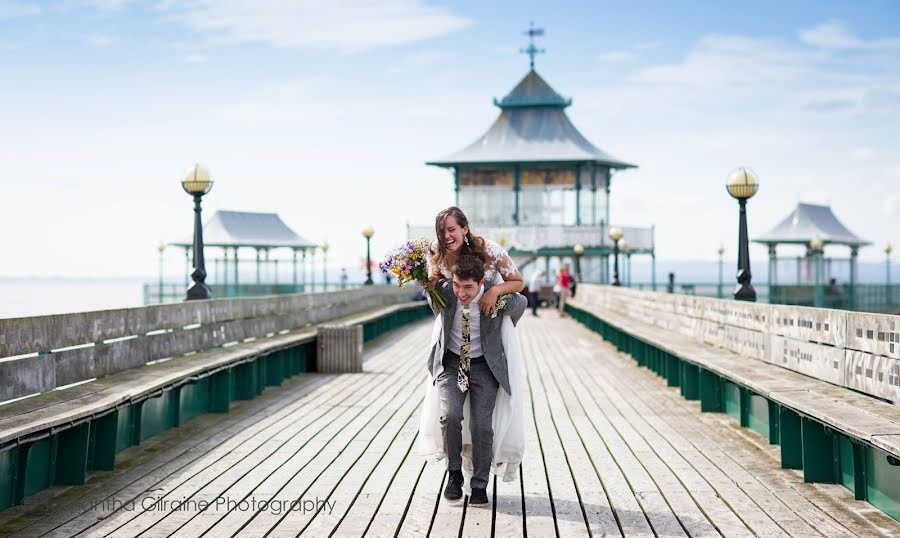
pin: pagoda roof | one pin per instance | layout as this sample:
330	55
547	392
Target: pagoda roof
532	127
247	229
808	221
533	90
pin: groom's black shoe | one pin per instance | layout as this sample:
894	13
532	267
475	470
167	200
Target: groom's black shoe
478	497
453	491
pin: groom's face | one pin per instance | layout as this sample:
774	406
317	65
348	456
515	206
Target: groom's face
465	289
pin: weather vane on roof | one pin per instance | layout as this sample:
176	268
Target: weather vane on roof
531	50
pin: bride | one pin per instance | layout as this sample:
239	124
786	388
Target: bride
454	238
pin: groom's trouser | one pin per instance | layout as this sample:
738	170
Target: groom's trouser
482	393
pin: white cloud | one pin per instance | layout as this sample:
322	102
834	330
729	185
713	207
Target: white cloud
348	26
104	5
101	40
11	9
196	58
834	35
862	153
617	56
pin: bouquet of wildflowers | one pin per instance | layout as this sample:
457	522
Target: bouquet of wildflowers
409	262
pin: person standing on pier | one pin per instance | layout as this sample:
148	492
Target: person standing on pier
440	431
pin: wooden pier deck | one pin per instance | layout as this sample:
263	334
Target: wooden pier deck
611	451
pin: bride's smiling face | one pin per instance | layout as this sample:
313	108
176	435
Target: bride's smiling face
454	234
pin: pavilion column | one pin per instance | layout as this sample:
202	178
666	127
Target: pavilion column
225	269
295	268
577	195
773	267
516	189
303	269
854	261
455	189
257	266
312	270
608	182
237	290
594	196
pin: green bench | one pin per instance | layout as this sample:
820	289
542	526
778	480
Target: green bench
834	434
150	369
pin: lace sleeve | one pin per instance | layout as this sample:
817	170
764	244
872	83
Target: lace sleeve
501	260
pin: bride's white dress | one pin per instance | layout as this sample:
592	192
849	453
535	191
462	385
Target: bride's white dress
508	420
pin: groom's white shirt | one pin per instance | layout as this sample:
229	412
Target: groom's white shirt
474	327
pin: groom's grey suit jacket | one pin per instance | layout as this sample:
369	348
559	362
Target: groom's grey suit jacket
489	330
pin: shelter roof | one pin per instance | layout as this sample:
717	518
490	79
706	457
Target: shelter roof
808	221
246	229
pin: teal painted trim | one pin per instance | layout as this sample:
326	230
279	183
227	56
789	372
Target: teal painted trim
883	482
102	444
9	460
757	414
711	398
72	454
820	461
690	381
37	466
791	439
731	394
774	424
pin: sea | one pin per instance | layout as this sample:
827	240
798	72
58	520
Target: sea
38	297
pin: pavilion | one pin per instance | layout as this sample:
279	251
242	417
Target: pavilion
804	226
262	232
536	185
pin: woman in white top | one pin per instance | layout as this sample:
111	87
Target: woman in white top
454	238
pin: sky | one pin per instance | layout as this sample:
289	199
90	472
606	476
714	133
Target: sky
325	112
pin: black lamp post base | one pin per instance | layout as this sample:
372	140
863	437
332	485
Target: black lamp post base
198	291
744	292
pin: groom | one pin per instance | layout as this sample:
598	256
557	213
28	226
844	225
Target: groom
474	365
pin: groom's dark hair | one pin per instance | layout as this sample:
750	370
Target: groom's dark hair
469	268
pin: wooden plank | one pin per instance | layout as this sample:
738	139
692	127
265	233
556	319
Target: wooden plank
661	416
539	511
126	485
369	498
351	467
425	501
706	431
593	498
201	482
509	518
283	469
393	505
292	480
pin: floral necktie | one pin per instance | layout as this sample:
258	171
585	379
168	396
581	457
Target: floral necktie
465	351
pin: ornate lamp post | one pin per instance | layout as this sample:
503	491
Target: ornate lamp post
161	248
615	234
368	232
579	250
815	248
626	260
196	182
721	265
742	185
325	266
